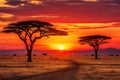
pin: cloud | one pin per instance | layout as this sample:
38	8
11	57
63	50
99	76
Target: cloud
101	26
45	16
14	2
18	3
6	15
91	0
72	27
84	1
116	24
3	3
56	0
2	23
35	2
106	1
81	11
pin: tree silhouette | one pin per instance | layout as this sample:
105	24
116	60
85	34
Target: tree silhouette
30	31
95	41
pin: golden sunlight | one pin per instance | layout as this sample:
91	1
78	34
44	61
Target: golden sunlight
58	47
61	47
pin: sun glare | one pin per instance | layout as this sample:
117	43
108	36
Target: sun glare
58	47
61	48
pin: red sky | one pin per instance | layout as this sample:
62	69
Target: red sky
77	17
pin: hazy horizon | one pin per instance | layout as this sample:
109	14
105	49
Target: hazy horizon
102	52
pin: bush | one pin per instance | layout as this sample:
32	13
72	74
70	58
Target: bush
44	54
14	55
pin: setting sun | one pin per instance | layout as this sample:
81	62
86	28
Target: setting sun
58	47
61	48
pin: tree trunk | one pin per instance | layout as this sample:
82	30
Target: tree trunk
29	54
96	52
29	49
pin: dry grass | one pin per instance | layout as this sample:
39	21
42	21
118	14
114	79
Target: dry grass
60	67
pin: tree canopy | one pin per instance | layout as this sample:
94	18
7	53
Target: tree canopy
94	40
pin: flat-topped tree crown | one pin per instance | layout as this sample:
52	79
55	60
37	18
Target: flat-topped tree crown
30	31
94	40
33	26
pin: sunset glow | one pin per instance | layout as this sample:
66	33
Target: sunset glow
58	47
61	48
77	17
59	39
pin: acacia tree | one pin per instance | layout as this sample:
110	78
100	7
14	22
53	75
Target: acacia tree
30	31
95	41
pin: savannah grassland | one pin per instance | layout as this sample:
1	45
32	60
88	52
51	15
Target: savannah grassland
60	67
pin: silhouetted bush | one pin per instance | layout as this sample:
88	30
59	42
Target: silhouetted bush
111	55
14	55
44	54
34	54
92	55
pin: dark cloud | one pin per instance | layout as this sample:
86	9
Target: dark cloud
81	11
117	1
60	2
15	2
81	1
113	1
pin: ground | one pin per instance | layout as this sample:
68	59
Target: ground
60	67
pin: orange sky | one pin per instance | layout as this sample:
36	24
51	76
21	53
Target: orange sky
77	17
70	42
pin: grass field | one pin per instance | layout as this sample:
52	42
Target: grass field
60	67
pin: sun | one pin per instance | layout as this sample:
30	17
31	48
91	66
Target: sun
61	48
